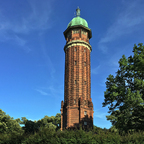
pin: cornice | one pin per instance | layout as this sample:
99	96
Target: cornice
77	43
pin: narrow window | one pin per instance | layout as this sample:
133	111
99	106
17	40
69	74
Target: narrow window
85	123
84	63
85	112
84	82
75	31
75	62
75	48
84	50
75	81
74	101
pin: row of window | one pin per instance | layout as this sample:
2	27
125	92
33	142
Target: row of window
76	63
84	32
77	31
76	82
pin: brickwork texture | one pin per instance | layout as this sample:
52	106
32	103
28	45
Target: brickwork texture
77	107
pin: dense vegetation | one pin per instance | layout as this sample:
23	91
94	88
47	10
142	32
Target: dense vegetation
124	92
45	132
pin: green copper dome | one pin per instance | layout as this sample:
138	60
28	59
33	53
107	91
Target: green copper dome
78	20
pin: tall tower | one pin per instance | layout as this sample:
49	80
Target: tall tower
77	107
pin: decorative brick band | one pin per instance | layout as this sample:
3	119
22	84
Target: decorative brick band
77	43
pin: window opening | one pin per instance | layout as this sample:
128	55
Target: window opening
75	31
84	32
75	49
75	81
85	123
75	63
85	113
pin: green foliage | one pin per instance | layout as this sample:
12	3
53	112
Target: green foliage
52	122
46	133
125	92
8	124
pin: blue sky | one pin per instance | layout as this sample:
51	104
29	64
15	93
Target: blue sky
32	58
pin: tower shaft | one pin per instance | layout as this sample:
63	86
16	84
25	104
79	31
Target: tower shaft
77	107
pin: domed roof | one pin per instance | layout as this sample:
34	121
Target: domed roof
78	20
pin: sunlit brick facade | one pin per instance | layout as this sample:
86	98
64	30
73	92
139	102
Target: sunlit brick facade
77	107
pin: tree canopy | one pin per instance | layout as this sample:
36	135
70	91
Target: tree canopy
52	122
8	124
125	92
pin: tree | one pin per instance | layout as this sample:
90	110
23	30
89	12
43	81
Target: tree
30	126
8	124
52	122
125	92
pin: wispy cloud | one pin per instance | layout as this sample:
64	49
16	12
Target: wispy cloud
48	60
51	90
100	115
95	70
128	21
35	18
42	92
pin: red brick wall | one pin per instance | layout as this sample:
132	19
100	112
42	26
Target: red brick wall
79	72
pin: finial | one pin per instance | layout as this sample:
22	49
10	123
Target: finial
74	14
78	12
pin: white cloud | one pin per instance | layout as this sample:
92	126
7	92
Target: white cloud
51	91
95	70
35	18
128	21
101	115
42	92
39	18
49	62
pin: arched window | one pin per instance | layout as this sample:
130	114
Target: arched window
85	113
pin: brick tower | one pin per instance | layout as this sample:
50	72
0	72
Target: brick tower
77	107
